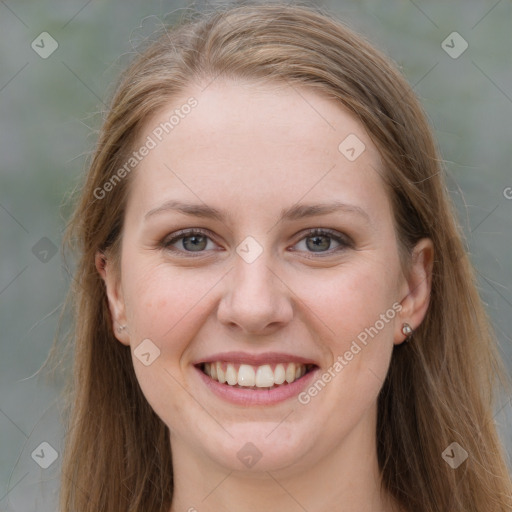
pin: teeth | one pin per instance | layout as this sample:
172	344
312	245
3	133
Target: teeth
221	376
279	374
249	376
264	377
231	375
290	372
246	375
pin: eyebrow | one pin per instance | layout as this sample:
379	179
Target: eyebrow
295	212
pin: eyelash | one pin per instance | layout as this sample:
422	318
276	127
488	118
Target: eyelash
344	241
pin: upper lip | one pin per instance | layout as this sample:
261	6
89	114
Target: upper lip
255	359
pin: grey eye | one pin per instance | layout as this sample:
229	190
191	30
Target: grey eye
195	242
318	242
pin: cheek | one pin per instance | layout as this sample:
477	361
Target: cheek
357	310
353	300
167	305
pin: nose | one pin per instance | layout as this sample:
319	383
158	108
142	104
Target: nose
256	300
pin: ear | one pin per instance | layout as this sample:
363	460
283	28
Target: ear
114	296
416	288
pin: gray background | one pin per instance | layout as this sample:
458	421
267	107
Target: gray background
50	109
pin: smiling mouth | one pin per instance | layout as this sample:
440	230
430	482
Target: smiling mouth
246	376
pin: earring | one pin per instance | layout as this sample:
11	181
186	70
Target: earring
406	331
121	328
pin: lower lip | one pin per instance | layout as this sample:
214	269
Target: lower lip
242	396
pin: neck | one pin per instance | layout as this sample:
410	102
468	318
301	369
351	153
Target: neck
346	479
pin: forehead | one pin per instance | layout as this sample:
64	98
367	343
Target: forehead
250	144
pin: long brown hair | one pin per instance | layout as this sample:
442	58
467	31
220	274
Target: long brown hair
440	387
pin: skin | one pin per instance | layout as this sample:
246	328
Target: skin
252	150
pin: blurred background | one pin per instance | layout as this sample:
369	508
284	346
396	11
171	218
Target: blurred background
58	61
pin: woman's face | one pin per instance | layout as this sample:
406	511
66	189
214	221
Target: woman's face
257	292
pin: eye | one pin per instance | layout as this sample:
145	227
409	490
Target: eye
188	241
319	241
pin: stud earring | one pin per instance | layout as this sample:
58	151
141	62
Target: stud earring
121	328
406	331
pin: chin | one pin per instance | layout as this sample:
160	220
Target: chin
261	447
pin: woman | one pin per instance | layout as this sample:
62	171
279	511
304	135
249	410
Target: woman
274	310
